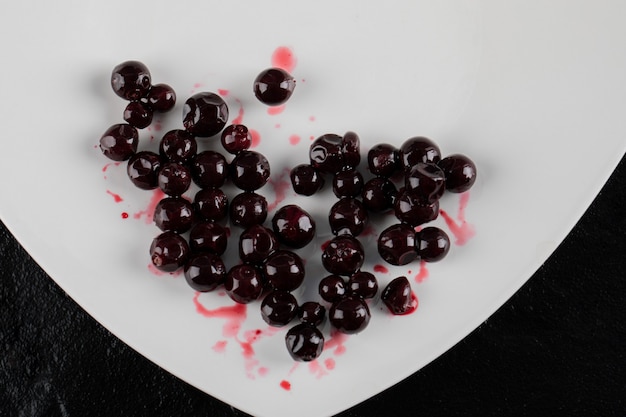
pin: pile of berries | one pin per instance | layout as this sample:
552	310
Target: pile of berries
193	235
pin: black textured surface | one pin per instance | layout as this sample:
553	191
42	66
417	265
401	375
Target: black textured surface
556	348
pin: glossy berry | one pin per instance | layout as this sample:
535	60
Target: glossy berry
348	216
208	237
433	244
396	244
247	209
325	153
174	179
306	180
161	98
344	255
178	146
351	149
363	284
279	308
419	149
398	297
209	169
174	214
379	195
243	283
332	288
249	170
460	172
236	138
427	181
312	313
131	80
284	270
305	343
383	160
205	272
143	168
409	208
205	114
119	142
211	204
169	251
293	226
349	315
274	86
256	244
138	114
348	183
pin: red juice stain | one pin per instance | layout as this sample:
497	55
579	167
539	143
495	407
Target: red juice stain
336	342
312	118
256	138
277	125
104	168
157	196
220	346
280	188
158	126
263	371
116	197
154	270
422	274
274	110
311	137
325	245
222	92
462	231
234	315
284	58
381	269
316	369
284	384
124	215
330	364
294	139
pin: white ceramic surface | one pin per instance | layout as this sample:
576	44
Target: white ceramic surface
534	92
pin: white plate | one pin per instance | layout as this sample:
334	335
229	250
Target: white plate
534	92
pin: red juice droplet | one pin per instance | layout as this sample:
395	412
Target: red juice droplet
284	58
274	110
330	364
234	315
294	139
222	92
380	269
220	346
422	274
325	245
316	369
116	197
281	186
312	118
157	196
124	215
336	342
284	384
256	138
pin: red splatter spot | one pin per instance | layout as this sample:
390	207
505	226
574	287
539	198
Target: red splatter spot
312	118
294	139
422	274
284	384
124	215
284	58
157	195
311	137
316	369
263	371
330	364
325	245
116	197
280	189
256	138
462	231
220	346
234	315
274	110
222	92
158	126
336	341
104	168
380	269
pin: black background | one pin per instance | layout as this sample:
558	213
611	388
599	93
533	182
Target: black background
556	348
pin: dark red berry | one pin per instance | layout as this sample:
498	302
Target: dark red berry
332	288
396	244
274	86
305	343
178	146
243	283
131	80
344	255
348	216
174	214
174	179
348	183
138	114
161	98
398	296
409	208
236	138
433	244
208	237
205	272
349	315
363	284
247	209
211	204
383	160
351	150
325	153
249	170
205	114
256	243
460	172
312	313
119	142
279	308
419	149
284	270
143	168
379	195
293	226
306	180
427	181
169	251
209	169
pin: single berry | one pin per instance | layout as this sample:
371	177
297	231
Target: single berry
143	168
398	296
363	284
306	180
178	146
460	172
349	315
351	149
332	288
312	313
247	209
209	169
208	237
348	183
433	244
174	179
348	216
256	243
344	255
243	283
326	155
138	114
304	343
205	114
274	86
293	226
284	270
427	181
419	149
396	244
169	251
409	208
119	142
205	272
161	98
211	204
174	214
379	195
249	170
236	138
279	308
383	160
131	80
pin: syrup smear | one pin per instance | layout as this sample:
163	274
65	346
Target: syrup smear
116	197
284	58
380	269
281	186
274	110
157	196
422	274
462	231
